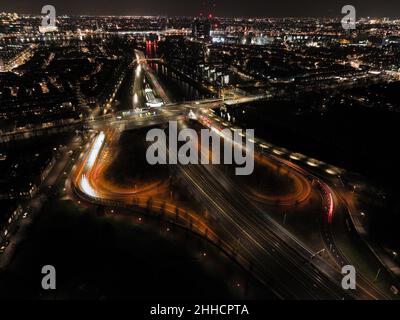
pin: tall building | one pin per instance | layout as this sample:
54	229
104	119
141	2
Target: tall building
201	29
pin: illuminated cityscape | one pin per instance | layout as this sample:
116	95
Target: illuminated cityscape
81	98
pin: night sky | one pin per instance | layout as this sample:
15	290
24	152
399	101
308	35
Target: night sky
247	8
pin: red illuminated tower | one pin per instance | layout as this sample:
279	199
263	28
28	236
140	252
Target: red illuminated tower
201	28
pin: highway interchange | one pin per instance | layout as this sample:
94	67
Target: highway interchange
238	225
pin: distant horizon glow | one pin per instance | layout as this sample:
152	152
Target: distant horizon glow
216	8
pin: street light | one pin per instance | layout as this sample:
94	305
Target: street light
321	252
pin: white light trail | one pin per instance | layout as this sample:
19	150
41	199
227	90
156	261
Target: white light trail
87	188
98	143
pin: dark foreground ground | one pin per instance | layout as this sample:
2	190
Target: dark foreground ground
100	258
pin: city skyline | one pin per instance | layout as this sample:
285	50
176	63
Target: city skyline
220	8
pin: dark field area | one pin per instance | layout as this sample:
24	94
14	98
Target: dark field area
99	258
268	180
129	166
